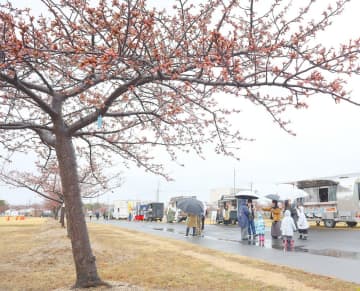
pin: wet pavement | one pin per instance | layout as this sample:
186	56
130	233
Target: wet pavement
330	252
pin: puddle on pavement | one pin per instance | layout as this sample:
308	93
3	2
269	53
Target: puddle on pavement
165	229
331	253
278	245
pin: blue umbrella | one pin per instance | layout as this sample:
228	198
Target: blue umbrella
191	206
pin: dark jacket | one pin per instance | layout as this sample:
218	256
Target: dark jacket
243	215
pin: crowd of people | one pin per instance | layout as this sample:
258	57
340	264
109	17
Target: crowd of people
285	221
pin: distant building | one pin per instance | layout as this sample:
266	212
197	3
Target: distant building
215	194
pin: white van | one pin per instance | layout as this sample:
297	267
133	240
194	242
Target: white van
121	209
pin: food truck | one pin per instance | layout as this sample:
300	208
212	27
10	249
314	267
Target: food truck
332	199
227	210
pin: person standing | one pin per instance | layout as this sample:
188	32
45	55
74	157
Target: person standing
275	215
170	215
226	214
251	226
191	222
302	224
198	225
243	218
203	217
260	229
287	230
292	208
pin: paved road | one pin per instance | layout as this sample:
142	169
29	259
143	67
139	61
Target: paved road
330	252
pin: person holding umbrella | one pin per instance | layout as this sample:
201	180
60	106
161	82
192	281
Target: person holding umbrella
251	226
194	208
246	215
243	218
191	222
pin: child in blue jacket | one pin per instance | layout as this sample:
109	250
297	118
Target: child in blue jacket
260	229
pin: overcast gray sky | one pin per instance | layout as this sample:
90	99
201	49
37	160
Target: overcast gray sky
327	143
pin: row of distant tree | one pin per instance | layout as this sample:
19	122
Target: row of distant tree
3	206
50	205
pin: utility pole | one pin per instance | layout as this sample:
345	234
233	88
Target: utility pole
234	183
157	192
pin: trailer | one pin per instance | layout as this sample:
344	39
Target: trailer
332	199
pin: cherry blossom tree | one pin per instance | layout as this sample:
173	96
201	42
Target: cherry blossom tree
112	80
46	182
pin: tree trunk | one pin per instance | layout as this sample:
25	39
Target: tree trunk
67	223
62	216
86	272
56	210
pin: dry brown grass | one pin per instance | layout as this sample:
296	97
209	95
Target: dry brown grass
36	255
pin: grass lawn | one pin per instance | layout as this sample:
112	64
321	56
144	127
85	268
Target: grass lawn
35	255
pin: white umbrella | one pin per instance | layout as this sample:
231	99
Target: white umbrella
247	194
288	191
299	194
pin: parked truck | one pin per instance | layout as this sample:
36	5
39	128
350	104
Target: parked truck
154	212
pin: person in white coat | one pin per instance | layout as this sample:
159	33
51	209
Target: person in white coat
302	224
287	230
